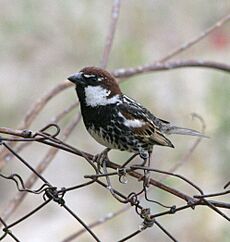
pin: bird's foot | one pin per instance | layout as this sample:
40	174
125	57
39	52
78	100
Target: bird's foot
146	178
101	159
145	156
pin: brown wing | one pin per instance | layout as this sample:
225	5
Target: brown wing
146	129
152	134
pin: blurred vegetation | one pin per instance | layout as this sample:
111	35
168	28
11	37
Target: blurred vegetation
42	42
219	97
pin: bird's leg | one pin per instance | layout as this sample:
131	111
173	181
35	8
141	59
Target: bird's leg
146	172
109	185
149	157
146	157
102	158
105	152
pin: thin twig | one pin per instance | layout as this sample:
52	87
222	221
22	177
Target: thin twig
40	103
111	32
127	207
189	153
16	132
19	197
170	65
196	39
28	133
138	176
58	144
33	112
191	202
64	112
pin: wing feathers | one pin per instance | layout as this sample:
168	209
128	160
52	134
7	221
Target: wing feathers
143	127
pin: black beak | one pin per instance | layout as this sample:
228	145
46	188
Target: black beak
76	78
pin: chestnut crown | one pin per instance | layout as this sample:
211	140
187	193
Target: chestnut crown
95	76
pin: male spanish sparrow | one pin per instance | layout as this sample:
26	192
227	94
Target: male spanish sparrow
117	121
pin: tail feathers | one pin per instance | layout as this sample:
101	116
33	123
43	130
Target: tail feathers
183	131
160	139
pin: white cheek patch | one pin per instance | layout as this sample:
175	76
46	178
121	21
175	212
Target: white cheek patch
98	96
133	123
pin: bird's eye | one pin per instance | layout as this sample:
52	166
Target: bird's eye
100	79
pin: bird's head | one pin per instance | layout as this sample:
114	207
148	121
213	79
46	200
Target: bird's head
96	86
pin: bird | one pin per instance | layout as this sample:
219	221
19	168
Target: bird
117	121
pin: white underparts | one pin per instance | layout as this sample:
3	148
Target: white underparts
98	96
98	136
133	123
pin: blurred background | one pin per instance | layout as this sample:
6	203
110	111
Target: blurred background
43	42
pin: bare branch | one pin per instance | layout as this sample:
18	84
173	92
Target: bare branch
132	173
196	39
111	32
132	198
34	112
40	103
15	132
131	71
51	153
188	154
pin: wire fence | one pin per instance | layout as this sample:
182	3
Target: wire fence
13	141
100	164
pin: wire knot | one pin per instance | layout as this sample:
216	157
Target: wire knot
133	199
148	219
6	232
26	133
55	195
173	209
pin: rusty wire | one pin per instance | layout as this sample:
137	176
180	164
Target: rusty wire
50	192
